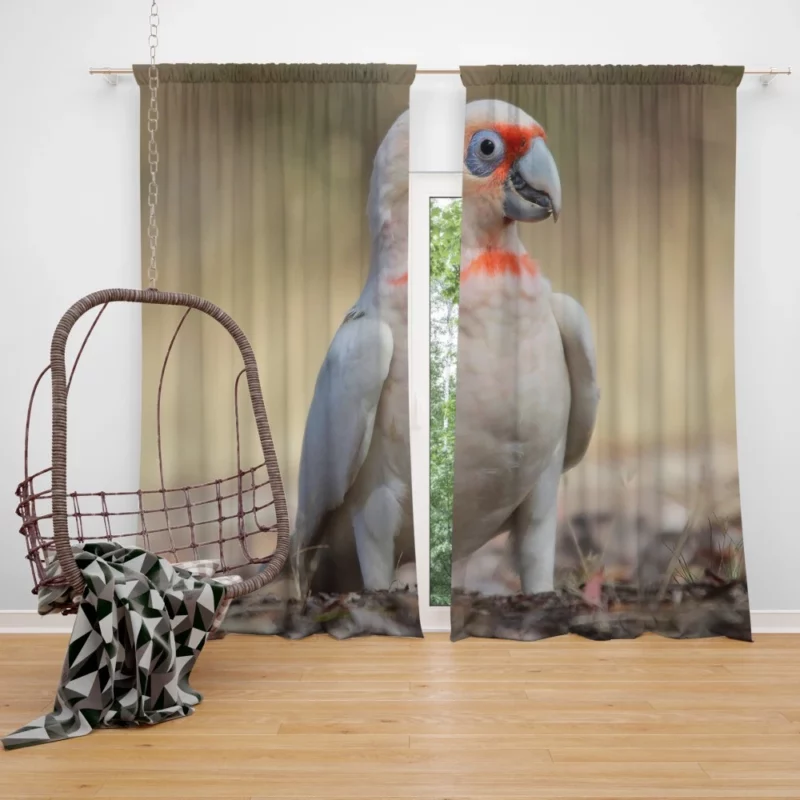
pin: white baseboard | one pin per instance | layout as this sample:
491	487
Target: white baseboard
436	621
31	622
775	621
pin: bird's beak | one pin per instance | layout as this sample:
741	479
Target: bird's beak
533	188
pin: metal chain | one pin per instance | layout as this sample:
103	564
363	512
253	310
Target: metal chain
152	147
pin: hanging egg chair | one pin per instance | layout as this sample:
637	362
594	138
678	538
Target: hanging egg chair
171	522
215	529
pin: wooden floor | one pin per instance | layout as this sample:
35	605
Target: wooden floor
386	718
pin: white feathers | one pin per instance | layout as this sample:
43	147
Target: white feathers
341	419
498	112
388	188
527	392
354	496
576	336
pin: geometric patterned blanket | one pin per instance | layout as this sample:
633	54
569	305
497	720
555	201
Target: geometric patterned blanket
139	630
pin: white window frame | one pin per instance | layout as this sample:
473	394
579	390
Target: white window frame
423	187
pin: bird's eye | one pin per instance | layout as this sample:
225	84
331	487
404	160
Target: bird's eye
485	152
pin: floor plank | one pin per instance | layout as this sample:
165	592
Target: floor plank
391	719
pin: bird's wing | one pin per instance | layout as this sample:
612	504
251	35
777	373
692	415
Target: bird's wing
341	419
576	337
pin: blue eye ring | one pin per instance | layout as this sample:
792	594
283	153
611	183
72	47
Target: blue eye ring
485	151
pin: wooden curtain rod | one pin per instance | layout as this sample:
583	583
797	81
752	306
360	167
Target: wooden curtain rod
129	71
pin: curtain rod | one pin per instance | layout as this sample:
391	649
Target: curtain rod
111	74
129	71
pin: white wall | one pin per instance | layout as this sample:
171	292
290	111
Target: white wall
69	198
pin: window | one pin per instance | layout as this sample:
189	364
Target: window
434	257
444	258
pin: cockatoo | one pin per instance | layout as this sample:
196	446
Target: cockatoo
527	392
354	522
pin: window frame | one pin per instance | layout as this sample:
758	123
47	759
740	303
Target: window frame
423	187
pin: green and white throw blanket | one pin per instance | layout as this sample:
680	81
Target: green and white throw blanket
137	635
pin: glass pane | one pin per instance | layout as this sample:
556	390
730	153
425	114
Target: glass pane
445	258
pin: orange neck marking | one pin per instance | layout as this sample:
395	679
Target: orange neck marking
500	262
399	281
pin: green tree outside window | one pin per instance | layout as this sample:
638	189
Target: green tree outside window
445	258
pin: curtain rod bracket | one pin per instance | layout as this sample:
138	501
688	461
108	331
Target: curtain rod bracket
768	76
110	74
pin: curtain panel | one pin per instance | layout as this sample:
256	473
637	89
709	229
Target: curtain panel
283	192
596	479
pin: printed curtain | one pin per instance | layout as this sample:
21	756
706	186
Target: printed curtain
283	198
595	477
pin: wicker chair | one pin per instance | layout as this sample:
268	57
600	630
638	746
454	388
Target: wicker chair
180	533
